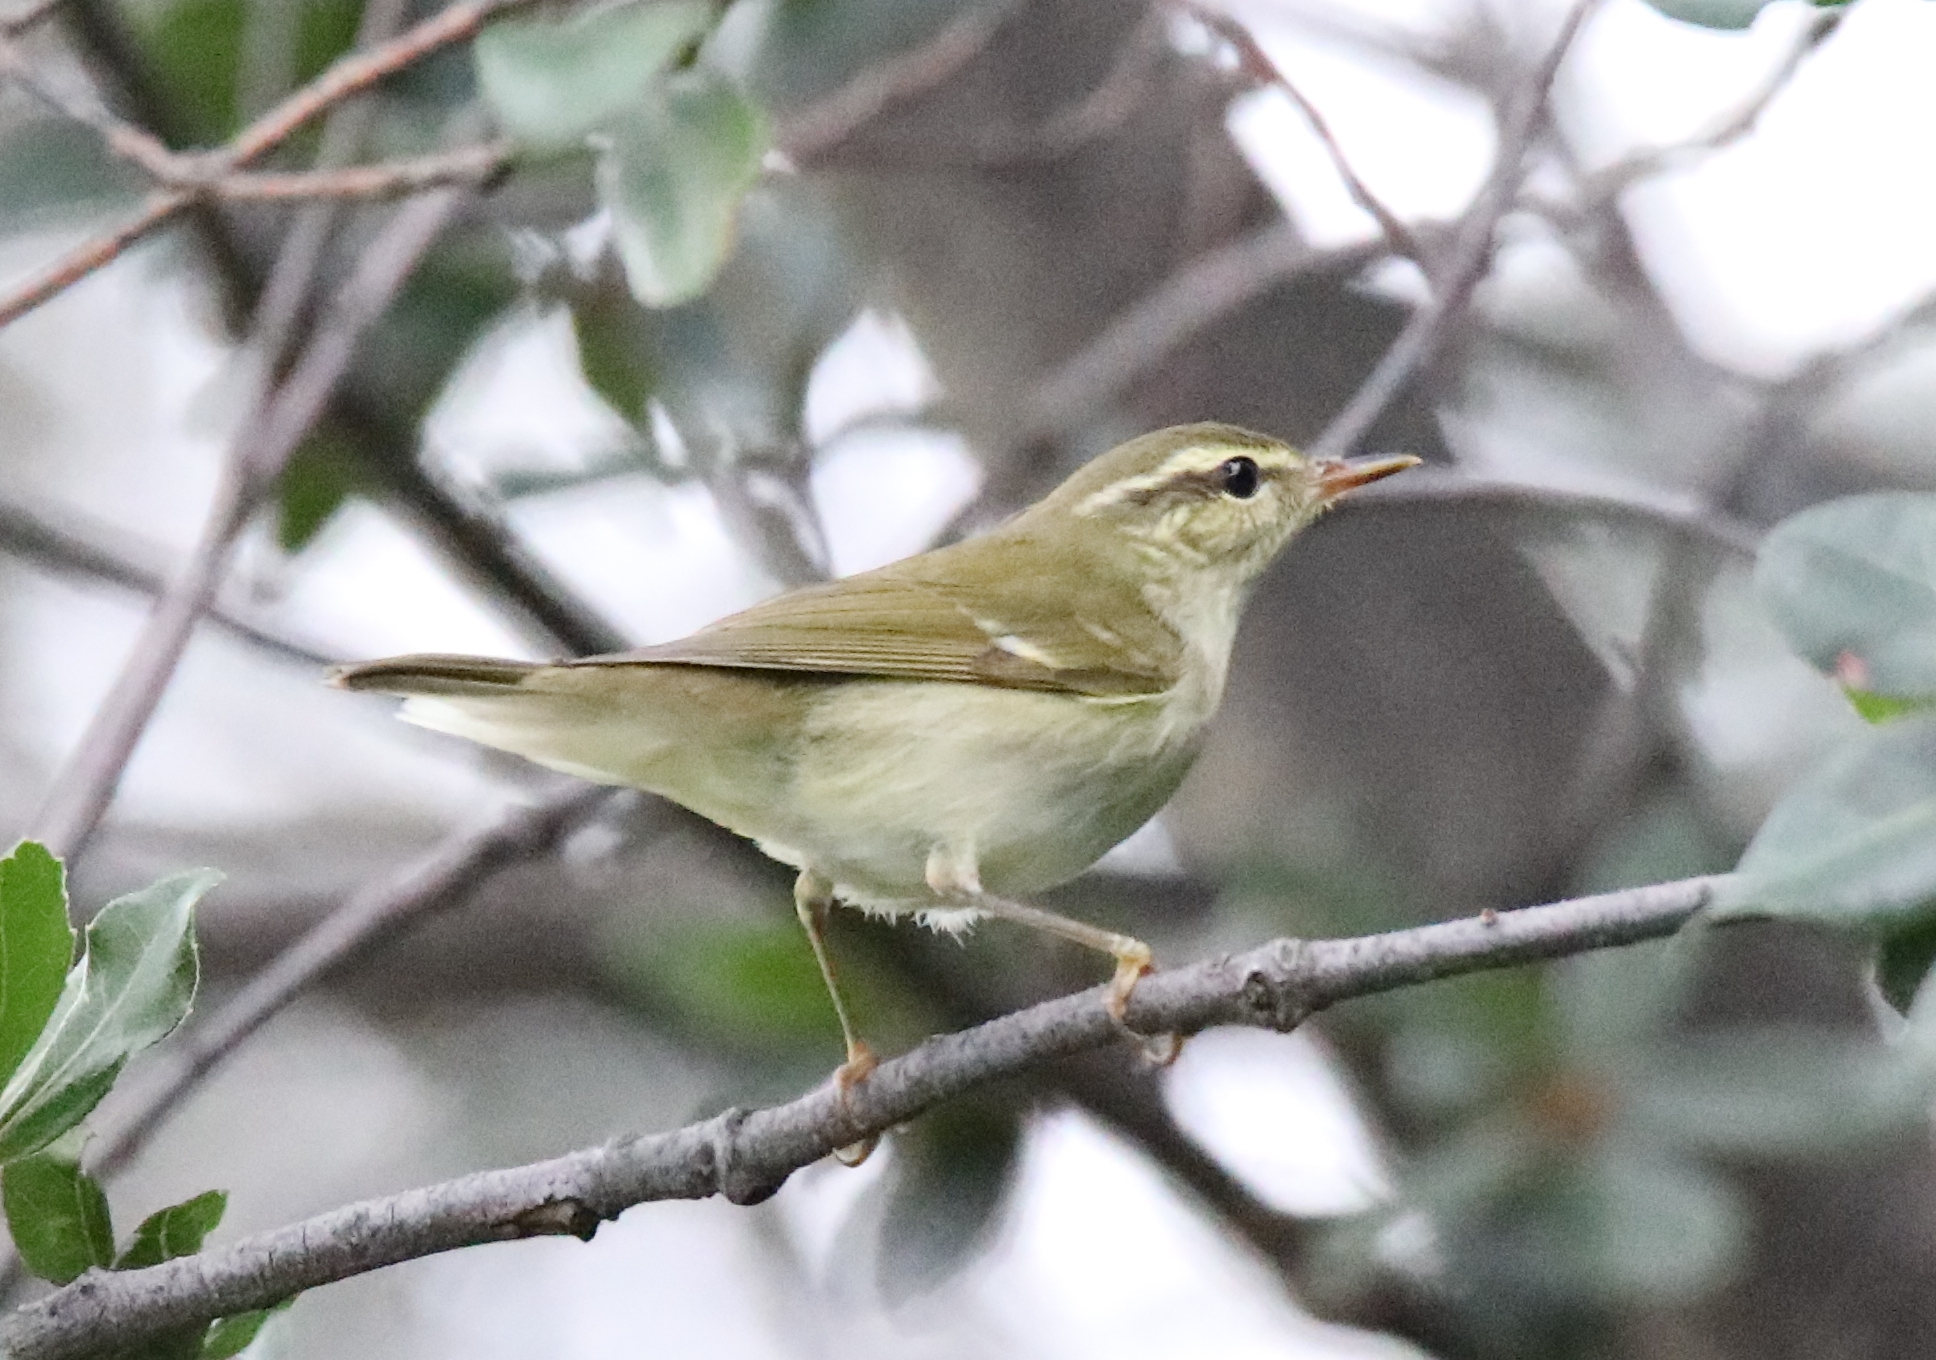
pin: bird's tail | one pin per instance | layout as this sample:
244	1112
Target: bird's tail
428	673
516	706
699	735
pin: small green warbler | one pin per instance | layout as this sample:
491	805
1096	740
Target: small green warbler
941	734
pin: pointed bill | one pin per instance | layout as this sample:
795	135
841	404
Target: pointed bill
1339	475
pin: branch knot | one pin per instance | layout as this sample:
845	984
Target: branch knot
1271	990
730	1176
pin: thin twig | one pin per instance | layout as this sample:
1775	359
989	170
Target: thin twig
127	140
828	122
369	183
1603	186
28	16
442	879
351	75
35	538
85	786
1682	517
747	1156
1464	264
1256	64
1203	291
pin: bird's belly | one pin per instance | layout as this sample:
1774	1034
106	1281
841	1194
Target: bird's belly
1031	787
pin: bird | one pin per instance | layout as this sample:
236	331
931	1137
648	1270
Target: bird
946	734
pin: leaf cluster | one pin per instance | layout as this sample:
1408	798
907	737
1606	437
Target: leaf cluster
67	1027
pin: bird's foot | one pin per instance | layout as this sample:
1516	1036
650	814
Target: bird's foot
860	1064
1132	965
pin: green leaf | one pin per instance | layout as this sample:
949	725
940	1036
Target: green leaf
58	1217
796	52
183	1344
754	985
673	177
1852	585
455	293
36	946
1903	959
318	478
133	985
615	350
552	81
1881	708
232	1335
1854	843
1731	14
194	55
175	1231
953	1170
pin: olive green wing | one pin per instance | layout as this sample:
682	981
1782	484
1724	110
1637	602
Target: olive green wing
1022	620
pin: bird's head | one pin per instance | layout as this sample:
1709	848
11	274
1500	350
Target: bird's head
1209	497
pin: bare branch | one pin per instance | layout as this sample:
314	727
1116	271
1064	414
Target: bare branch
84	788
28	16
442	879
1603	186
1464	264
746	1157
825	124
350	76
1256	63
470	165
35	538
124	139
95	253
1195	297
1677	515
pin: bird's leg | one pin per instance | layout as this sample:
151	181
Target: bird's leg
813	898
954	878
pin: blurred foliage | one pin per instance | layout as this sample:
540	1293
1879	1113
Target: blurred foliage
1724	14
1852	585
676	149
952	1171
552	82
673	180
318	477
195	51
51	169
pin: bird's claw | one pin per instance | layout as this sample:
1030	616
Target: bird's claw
860	1064
1160	1050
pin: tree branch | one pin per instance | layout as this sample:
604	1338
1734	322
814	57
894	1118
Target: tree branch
1256	64
821	126
1195	297
440	880
85	786
1464	264
746	1157
1676	515
33	537
28	16
1603	186
350	76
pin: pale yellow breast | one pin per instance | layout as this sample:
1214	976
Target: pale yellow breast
1034	787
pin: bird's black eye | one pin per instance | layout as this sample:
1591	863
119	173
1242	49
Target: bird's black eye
1239	477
